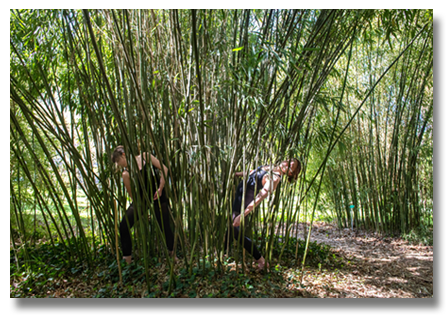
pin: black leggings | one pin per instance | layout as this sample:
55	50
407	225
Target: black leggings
131	215
246	242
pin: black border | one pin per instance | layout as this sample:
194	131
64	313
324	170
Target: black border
226	306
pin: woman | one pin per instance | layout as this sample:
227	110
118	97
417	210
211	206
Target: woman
148	176
259	185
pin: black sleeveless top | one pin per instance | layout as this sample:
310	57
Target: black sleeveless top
150	184
253	186
256	179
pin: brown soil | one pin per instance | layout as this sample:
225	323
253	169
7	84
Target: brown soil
375	266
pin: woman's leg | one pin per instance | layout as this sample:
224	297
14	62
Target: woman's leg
162	213
246	242
128	219
236	208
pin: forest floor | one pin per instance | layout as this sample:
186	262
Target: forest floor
360	264
375	267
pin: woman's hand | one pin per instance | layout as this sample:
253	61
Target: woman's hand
156	163
237	221
158	193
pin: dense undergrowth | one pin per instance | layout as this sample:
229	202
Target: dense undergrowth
422	234
52	274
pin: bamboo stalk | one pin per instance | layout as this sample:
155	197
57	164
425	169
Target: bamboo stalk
116	242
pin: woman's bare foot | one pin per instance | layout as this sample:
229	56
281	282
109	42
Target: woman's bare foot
261	263
175	256
128	259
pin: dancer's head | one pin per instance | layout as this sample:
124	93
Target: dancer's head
119	157
292	168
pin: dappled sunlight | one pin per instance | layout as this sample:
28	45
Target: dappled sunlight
374	266
157	135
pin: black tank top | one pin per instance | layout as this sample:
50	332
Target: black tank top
256	178
150	183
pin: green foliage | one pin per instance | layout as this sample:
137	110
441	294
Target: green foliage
53	272
211	93
420	235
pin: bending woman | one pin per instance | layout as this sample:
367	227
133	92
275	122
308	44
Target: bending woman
258	187
148	176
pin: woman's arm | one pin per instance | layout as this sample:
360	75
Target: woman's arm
242	173
127	183
268	188
156	163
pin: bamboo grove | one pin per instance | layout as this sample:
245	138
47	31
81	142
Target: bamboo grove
211	93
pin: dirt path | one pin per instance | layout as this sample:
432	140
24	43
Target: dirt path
376	266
